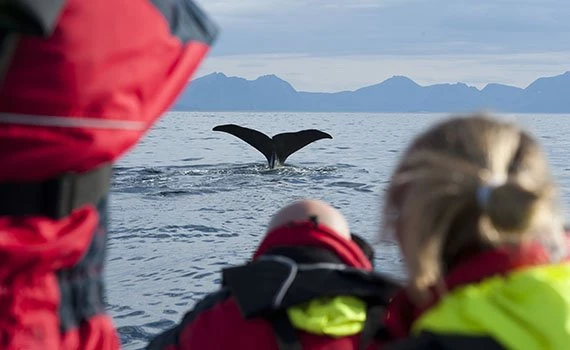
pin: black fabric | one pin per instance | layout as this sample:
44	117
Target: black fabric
432	341
171	336
298	285
284	331
32	17
8	44
267	277
374	327
364	246
55	198
81	287
187	21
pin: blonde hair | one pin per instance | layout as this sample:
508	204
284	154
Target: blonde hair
465	185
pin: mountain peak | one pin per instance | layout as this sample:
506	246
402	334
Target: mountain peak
399	79
271	80
216	75
495	87
269	77
396	82
554	83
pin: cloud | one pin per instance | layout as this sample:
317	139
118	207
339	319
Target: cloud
410	27
276	7
331	45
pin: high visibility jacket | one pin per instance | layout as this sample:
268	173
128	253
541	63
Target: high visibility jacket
524	309
500	299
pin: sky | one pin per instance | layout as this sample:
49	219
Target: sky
337	45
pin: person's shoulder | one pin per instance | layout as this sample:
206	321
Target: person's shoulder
171	336
211	300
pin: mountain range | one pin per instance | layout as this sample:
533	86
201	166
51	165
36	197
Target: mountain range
218	92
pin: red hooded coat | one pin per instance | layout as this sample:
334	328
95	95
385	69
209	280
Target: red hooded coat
81	82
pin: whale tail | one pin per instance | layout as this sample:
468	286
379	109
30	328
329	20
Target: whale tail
288	143
277	149
256	139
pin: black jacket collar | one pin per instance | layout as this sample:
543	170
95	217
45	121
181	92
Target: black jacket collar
288	276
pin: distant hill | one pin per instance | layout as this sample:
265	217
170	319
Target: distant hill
218	92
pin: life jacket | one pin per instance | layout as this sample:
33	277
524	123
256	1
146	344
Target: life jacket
306	287
507	298
80	83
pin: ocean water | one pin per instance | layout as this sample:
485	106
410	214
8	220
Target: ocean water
188	201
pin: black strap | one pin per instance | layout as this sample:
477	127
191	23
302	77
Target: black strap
373	327
55	198
435	341
284	332
8	45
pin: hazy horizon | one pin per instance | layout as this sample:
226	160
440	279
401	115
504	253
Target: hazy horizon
334	45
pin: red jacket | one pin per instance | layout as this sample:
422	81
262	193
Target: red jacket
79	85
236	317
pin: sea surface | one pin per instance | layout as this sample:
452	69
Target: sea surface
188	201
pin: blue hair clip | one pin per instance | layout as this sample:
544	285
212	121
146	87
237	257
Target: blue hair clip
483	193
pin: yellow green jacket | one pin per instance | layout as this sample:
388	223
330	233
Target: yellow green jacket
526	307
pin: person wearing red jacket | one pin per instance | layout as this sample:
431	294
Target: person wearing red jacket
309	285
80	83
474	210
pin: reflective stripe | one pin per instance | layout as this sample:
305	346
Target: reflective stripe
527	309
70	122
292	265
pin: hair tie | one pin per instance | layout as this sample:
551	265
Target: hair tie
483	193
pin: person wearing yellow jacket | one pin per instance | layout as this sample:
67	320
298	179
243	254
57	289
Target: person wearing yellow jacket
473	207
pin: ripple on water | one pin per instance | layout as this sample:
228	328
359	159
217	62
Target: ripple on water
162	324
134	335
130	314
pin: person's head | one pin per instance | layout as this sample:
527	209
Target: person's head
466	185
294	217
311	210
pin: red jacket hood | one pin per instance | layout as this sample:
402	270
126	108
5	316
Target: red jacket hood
88	92
309	234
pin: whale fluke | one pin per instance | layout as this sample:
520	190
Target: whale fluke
288	143
256	139
278	148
